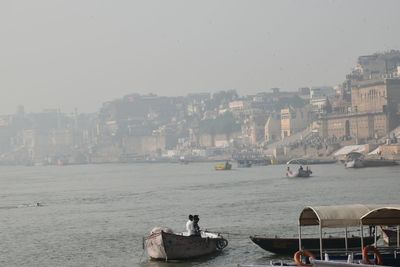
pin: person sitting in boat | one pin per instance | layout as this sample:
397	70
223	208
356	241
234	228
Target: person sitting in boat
371	230
196	226
301	168
308	169
189	226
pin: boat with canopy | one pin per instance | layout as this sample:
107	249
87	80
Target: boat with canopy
388	215
347	216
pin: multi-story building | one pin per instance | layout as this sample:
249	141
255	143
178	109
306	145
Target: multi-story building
294	120
375	110
272	130
319	98
257	128
41	145
374	66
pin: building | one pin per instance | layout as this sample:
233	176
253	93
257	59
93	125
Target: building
319	98
294	120
321	92
374	66
304	93
272	129
375	110
257	128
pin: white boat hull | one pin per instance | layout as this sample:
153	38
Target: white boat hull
169	246
303	173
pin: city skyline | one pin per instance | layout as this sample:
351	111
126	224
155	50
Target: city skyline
55	55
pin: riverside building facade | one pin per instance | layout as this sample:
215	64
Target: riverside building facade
375	109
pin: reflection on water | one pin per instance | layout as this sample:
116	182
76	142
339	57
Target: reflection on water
97	215
201	261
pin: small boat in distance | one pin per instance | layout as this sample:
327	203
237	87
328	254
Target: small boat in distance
242	163
183	160
299	173
164	244
223	166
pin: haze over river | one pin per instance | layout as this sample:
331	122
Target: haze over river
96	215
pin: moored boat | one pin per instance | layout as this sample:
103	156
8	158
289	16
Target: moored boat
364	163
383	256
345	216
163	244
288	246
358	160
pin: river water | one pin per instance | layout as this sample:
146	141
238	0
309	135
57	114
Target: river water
96	215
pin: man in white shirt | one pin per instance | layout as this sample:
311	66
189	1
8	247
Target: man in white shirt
189	226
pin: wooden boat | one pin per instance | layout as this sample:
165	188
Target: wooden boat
299	173
386	216
345	216
223	166
364	163
163	244
358	160
288	246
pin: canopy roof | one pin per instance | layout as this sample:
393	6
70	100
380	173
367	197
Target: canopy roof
297	161
389	215
336	216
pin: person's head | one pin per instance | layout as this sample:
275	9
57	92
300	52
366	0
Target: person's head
196	218
191	217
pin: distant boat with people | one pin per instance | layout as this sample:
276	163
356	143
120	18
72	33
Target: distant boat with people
299	173
183	160
223	166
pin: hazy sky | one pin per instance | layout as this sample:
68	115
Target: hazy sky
81	53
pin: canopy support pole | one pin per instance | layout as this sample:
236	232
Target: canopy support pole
398	235
362	236
345	239
300	237
375	236
320	240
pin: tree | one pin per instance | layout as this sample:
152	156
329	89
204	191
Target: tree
223	124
